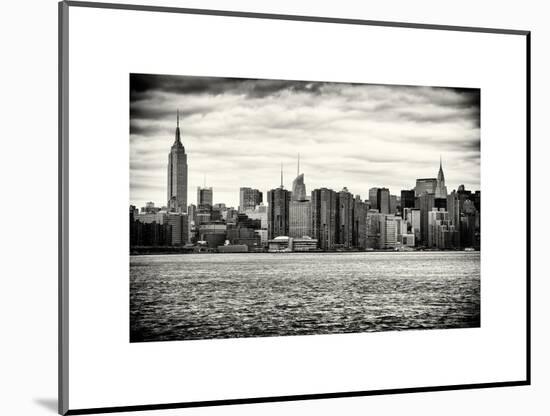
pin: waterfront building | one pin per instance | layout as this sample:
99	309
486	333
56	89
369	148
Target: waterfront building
204	197
423	185
345	218
373	228
442	233
390	226
435	218
259	213
470	225
373	198
263	236
440	189
240	235
278	244
415	224
244	220
324	217
383	200
288	244
150	234
278	211
233	248
425	202
213	234
360	209
177	174
179	224
299	218
304	244
249	198
407	240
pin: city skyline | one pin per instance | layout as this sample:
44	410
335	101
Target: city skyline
377	159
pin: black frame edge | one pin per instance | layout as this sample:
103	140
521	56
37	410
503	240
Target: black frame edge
258	400
528	197
300	18
63	208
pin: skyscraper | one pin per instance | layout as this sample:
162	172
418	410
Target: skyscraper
425	185
324	213
299	218
407	199
393	204
204	197
249	198
298	185
389	231
383	200
177	174
373	198
426	202
299	208
278	211
440	189
360	209
345	218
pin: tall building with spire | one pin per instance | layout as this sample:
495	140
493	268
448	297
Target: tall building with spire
440	188
177	174
298	185
278	201
299	208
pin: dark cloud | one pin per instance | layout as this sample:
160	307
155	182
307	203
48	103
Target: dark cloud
238	131
142	85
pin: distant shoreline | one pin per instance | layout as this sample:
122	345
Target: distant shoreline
143	251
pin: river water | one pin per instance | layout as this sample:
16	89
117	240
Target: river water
205	296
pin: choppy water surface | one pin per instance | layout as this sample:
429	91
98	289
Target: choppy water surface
202	296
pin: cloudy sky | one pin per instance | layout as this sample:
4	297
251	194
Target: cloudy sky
237	132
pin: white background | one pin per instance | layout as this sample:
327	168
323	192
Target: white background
29	148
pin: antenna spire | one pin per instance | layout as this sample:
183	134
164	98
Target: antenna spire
281	175
178	118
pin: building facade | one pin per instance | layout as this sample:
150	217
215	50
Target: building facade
423	185
324	216
383	201
407	200
249	198
345	218
177	174
278	201
299	218
205	196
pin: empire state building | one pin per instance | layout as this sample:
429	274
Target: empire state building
177	174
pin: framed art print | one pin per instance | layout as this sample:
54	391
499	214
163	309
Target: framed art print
259	208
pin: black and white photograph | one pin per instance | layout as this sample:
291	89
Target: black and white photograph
263	208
